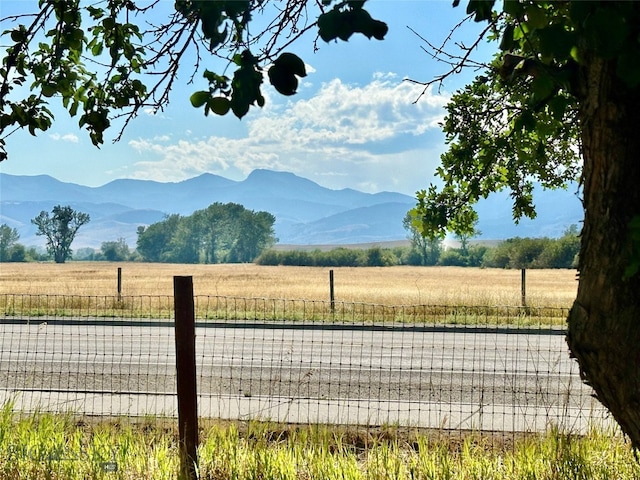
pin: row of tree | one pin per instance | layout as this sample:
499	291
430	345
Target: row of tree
229	233
512	253
220	233
337	257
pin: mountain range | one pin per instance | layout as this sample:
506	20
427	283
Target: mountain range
306	213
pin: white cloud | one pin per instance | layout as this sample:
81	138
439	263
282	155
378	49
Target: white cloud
372	137
68	137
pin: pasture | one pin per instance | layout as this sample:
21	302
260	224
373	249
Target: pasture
403	285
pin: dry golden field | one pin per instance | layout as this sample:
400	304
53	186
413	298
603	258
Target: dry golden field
387	285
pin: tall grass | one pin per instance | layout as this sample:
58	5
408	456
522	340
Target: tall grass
379	285
249	292
45	446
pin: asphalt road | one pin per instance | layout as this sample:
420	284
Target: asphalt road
496	379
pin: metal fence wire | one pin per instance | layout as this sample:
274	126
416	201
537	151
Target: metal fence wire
449	368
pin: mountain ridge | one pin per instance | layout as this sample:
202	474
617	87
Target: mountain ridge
306	212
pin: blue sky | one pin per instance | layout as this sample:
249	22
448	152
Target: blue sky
354	122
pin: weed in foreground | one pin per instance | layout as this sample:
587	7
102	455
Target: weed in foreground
58	447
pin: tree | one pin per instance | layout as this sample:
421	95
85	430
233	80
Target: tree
255	234
98	57
560	102
520	253
562	252
115	251
8	239
60	229
428	250
464	235
153	240
219	233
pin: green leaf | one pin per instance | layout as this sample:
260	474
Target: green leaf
380	29
525	121
328	25
507	42
343	24
74	108
481	8
542	88
556	41
108	23
48	90
291	63
239	108
282	80
536	16
513	8
18	35
198	99
558	106
282	74
219	105
96	13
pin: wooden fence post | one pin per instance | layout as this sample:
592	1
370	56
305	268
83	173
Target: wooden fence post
523	287
186	374
331	292
119	283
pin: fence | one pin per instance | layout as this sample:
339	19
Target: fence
450	368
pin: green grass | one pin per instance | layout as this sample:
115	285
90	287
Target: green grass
56	447
265	309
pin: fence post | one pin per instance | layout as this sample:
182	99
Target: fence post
331	295
119	283
523	287
186	374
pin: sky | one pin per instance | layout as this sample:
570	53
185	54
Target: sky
354	123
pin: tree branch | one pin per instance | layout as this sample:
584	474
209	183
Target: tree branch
456	62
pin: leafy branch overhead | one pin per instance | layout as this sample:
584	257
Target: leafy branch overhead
560	102
109	60
519	122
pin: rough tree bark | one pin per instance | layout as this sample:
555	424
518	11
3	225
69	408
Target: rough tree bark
604	323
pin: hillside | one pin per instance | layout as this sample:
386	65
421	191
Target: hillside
306	213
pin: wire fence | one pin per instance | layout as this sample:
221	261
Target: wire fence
448	368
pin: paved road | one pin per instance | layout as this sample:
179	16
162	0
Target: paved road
495	379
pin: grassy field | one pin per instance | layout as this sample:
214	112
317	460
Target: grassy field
386	285
44	446
50	447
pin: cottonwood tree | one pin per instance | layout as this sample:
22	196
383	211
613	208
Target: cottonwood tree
153	240
115	251
60	229
428	250
8	241
561	101
219	233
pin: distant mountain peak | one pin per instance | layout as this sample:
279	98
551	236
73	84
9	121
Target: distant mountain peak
306	212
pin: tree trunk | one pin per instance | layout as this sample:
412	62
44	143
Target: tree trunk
59	256
604	323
